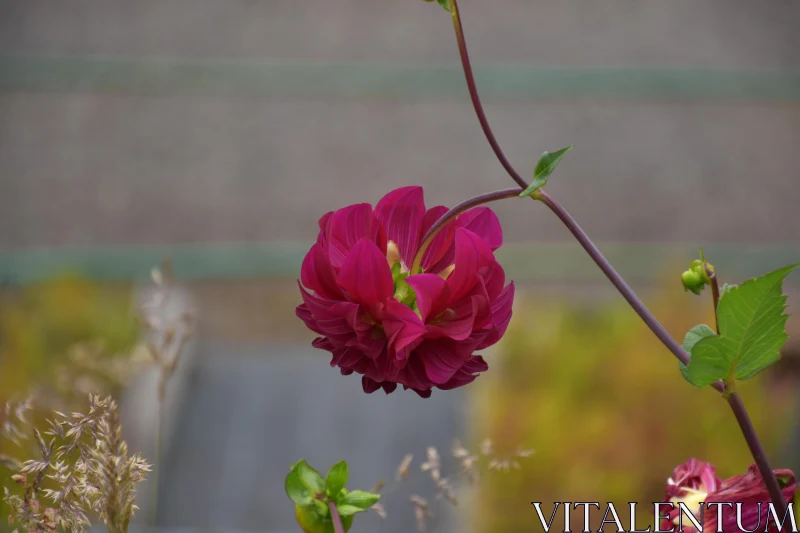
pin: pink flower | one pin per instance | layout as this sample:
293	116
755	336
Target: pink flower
696	482
418	329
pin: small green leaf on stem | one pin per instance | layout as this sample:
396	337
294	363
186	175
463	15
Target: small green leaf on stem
693	336
336	479
546	165
360	499
349	510
751	322
296	489
445	5
303	483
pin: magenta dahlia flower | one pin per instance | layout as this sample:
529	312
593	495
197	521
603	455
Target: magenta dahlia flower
695	482
397	312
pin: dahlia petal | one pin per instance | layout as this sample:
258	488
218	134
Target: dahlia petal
369	385
749	489
483	222
371	345
472	255
318	275
321	343
501	316
442	242
346	358
303	313
323	220
441	360
403	327
366	277
338	321
494	279
349	225
432	293
401	213
423	393
467	373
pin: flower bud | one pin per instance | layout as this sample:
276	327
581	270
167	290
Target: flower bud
695	279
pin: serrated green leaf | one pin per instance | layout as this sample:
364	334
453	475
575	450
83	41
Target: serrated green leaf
752	331
336	479
360	499
349	510
546	165
726	288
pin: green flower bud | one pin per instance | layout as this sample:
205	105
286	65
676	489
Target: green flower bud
696	278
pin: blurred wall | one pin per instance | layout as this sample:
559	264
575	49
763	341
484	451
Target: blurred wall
169	121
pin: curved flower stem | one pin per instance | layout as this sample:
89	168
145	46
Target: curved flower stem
733	398
476	101
712	277
616	280
337	520
454	212
757	451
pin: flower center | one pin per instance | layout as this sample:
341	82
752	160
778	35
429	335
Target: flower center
692	498
403	292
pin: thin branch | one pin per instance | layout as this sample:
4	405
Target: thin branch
454	212
476	101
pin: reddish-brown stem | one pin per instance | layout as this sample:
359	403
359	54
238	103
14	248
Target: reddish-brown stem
453	213
712	278
337	520
732	397
476	101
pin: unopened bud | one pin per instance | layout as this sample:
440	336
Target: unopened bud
696	278
21	478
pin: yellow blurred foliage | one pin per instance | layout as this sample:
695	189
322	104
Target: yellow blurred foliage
40	323
604	407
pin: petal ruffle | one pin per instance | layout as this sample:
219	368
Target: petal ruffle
347	226
401	213
366	277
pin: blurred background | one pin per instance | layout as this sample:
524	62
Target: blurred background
215	133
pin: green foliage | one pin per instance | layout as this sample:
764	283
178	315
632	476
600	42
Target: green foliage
693	336
336	479
546	165
752	324
359	498
445	5
584	386
312	496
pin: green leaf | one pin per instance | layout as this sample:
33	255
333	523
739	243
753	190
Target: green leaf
546	165
444	3
726	288
752	331
360	499
349	510
296	489
303	483
336	479
693	336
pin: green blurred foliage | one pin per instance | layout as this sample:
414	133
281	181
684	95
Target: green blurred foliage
604	407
